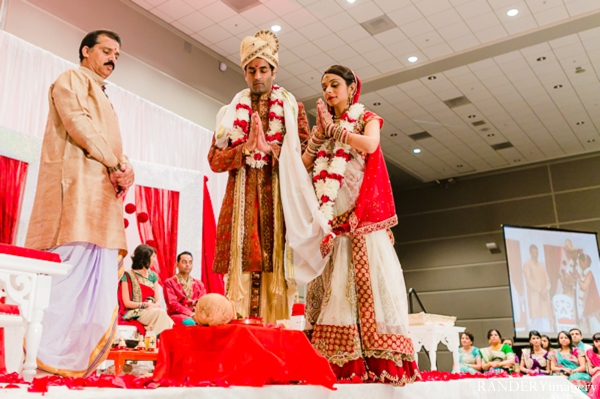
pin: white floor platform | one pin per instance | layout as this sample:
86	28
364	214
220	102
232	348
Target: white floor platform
525	388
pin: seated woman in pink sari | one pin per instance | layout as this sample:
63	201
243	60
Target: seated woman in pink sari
593	359
137	299
182	291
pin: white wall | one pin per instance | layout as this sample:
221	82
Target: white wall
44	30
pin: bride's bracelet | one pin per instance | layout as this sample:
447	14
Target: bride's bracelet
338	133
313	147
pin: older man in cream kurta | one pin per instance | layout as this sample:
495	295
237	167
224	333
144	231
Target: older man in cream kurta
78	211
538	287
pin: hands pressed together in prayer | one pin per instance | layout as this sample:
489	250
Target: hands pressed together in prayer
256	138
122	179
318	134
324	120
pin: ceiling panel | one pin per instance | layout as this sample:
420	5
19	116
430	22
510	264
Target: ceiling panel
456	42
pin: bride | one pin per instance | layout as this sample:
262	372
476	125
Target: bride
356	310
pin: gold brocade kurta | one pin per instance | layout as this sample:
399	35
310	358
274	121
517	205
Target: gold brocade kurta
258	220
75	200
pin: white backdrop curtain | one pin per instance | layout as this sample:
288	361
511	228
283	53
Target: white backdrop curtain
150	133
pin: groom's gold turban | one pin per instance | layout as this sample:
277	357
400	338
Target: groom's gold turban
263	45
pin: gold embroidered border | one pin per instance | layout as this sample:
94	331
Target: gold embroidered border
339	344
372	340
385	377
371	228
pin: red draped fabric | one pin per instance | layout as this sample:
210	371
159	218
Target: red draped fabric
240	355
375	202
213	282
157	220
12	182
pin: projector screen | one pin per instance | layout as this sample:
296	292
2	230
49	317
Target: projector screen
554	280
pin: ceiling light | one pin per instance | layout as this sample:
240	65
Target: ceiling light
222	66
275	28
512	12
517	160
557	86
350	1
591	140
412	59
416	150
459	166
491	135
376	104
433	77
580	123
540	59
472	116
579	70
393	134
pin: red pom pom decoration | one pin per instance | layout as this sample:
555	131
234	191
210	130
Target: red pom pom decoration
130	208
152	243
142	217
126	222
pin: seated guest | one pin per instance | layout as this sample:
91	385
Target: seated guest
577	337
593	358
138	293
546	343
509	342
182	291
534	360
469	356
498	356
568	361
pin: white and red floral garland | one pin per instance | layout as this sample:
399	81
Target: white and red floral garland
241	125
330	164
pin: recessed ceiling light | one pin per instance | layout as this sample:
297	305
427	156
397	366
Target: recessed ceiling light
350	1
491	135
517	160
432	77
459	166
540	59
580	123
393	134
376	104
512	12
591	140
412	59
472	116
275	28
579	70
416	150
557	86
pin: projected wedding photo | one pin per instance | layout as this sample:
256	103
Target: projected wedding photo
554	277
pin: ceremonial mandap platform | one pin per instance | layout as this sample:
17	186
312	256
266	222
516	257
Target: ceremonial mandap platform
229	361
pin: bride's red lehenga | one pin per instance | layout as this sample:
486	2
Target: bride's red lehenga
357	309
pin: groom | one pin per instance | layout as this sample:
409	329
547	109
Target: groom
248	141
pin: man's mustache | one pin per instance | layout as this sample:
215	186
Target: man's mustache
110	63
